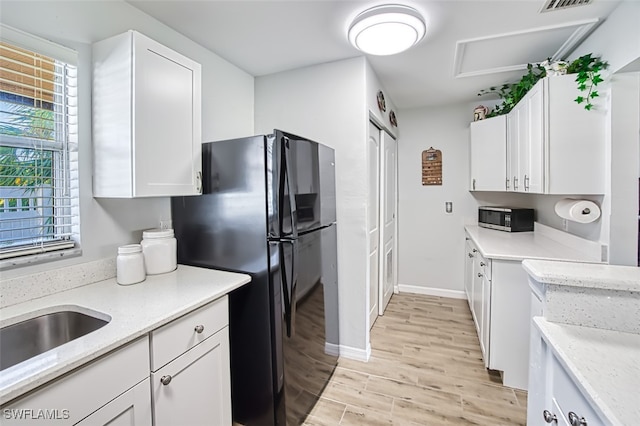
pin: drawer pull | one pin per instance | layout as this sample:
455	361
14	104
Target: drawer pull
549	417
479	275
199	329
474	250
469	254
165	380
575	420
482	264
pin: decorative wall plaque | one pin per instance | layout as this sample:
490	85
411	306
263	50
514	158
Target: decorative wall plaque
432	167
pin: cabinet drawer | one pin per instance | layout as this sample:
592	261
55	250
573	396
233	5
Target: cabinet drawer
177	337
81	392
569	398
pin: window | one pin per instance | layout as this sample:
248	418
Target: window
38	146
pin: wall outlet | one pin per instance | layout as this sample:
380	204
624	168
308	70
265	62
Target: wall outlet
448	206
165	224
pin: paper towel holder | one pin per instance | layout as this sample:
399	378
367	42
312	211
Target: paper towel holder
576	210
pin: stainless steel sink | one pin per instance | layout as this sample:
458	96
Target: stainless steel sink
26	339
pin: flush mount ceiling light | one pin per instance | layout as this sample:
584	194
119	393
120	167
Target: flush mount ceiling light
387	29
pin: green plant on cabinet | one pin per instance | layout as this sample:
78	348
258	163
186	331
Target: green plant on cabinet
587	67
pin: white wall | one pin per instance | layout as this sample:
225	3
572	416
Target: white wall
617	41
431	242
326	103
227	109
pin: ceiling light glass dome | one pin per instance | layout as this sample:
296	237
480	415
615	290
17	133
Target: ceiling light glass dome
387	29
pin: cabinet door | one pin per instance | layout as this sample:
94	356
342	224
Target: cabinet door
167	124
195	388
486	315
468	270
476	310
513	152
132	408
488	154
523	145
532	161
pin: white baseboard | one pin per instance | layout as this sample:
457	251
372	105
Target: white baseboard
331	349
431	291
348	351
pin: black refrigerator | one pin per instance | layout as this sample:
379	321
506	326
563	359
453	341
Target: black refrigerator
268	210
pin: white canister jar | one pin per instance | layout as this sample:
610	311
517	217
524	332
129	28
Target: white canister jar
130	265
160	251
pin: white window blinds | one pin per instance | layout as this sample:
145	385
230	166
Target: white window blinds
39	209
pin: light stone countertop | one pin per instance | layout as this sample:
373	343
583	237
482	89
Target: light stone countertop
603	364
134	311
612	277
517	246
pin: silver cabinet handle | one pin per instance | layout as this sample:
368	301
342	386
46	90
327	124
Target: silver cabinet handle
199	328
199	182
482	264
479	275
165	380
515	183
507	183
575	420
470	255
526	183
473	184
474	250
549	417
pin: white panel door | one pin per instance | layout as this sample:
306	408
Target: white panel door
373	226
388	209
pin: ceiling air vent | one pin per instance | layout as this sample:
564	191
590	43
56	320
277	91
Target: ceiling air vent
550	5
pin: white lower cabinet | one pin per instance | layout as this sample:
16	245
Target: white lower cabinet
132	408
179	376
499	300
478	290
554	397
469	256
86	391
194	389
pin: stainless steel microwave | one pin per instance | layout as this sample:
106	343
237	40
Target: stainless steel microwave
505	218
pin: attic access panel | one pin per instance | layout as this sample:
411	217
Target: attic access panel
505	52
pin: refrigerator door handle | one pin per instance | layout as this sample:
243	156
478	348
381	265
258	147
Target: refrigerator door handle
292	198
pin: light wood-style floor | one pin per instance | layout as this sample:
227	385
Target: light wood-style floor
425	369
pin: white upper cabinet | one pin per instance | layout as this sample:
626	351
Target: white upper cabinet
554	145
488	154
147	125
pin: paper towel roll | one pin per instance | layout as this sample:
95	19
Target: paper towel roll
581	211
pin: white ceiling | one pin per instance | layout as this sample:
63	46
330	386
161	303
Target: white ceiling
266	36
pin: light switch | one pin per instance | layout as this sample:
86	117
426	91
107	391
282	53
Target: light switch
448	206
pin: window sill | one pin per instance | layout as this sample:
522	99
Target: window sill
35	259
